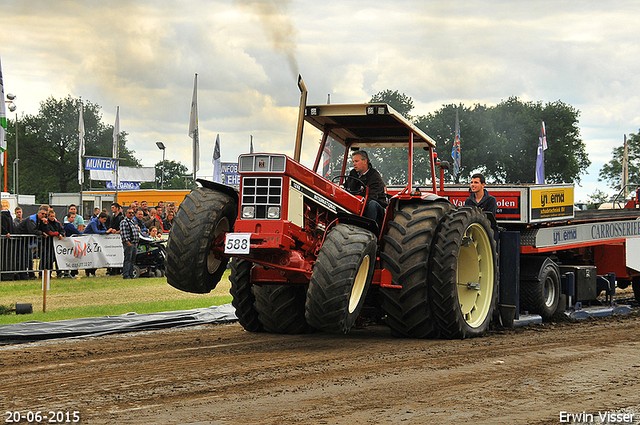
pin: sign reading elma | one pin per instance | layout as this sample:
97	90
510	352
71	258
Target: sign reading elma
550	202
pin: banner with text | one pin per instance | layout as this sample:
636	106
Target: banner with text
106	164
89	252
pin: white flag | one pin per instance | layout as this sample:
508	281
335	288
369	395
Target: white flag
193	126
3	121
116	136
116	133
217	164
80	146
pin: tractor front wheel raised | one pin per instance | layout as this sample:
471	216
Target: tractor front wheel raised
192	264
341	277
464	277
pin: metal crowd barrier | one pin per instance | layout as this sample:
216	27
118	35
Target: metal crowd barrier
23	255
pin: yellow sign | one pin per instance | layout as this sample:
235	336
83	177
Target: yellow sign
548	202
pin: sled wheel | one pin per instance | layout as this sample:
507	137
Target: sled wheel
203	216
281	308
243	298
463	276
635	284
405	253
540	287
341	277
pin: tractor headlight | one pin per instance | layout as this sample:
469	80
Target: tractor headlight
248	212
273	212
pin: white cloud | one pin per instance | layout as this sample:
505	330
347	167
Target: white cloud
142	55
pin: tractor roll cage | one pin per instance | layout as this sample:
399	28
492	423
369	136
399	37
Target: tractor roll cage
375	125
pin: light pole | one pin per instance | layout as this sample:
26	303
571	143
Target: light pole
12	108
162	148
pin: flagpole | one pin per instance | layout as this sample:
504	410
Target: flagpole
81	152
193	129
116	148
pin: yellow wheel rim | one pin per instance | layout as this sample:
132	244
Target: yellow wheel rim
358	284
475	275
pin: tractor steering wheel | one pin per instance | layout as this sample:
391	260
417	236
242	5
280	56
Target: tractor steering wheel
359	192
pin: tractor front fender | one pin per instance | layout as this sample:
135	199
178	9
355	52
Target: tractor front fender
227	190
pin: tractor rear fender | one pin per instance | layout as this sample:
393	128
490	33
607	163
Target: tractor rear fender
360	221
227	190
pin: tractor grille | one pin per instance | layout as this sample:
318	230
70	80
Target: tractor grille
261	163
261	193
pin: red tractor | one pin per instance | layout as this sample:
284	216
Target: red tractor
303	256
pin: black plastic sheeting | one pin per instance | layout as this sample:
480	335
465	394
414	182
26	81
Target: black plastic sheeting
130	322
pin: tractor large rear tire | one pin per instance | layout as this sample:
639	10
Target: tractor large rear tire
281	308
341	277
243	298
405	253
540	287
202	217
464	275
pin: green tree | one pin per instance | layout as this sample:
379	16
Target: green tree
597	198
173	176
398	101
48	146
502	141
611	172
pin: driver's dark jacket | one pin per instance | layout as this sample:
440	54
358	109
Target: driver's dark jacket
371	179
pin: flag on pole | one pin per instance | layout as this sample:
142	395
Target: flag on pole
542	146
116	135
251	146
217	164
455	150
3	121
625	167
193	127
80	146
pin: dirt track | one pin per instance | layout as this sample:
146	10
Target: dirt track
223	375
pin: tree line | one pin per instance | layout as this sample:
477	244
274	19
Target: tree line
500	141
48	145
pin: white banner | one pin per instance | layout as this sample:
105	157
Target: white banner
89	252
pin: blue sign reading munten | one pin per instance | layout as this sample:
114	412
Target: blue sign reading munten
105	164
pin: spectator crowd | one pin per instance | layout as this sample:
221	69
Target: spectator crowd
18	252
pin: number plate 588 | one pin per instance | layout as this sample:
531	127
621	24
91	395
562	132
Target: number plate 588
237	243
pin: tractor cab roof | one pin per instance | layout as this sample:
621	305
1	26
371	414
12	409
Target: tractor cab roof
366	125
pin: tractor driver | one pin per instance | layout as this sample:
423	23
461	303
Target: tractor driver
371	178
480	196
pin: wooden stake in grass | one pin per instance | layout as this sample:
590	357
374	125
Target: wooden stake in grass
46	277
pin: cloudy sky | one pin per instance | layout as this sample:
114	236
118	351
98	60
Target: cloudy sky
142	55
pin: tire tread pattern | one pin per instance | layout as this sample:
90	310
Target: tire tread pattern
333	275
243	298
443	275
190	237
405	253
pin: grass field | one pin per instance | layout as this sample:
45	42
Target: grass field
103	296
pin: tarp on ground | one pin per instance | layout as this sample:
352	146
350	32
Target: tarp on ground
130	322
